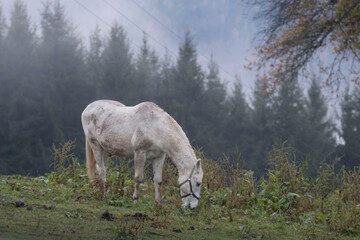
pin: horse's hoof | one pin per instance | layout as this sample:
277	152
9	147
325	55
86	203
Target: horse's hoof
106	194
158	204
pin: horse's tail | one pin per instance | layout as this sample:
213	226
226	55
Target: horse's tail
90	161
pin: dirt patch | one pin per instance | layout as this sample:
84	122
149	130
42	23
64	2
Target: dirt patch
46	207
191	228
69	231
177	230
139	216
19	204
81	197
162	224
15	204
107	216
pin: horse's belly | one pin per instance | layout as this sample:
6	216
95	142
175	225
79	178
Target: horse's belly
154	153
117	146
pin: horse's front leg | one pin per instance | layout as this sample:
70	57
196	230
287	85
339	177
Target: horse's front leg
158	164
139	162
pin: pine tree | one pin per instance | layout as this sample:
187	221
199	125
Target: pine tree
95	64
4	95
3	81
147	74
20	51
23	151
350	130
289	116
187	89
63	90
166	86
238	122
262	130
213	113
319	140
118	68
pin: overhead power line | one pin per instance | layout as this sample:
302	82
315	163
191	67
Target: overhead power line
179	37
141	29
102	20
157	20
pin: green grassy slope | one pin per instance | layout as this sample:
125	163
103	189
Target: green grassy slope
284	205
36	208
49	210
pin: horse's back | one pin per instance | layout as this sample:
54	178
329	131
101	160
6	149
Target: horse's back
102	104
120	129
107	124
97	112
115	126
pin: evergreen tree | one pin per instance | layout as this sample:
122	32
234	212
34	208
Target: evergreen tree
262	130
213	113
2	26
4	94
20	54
118	68
319	140
188	89
147	76
350	130
166	86
62	67
238	122
94	63
289	116
24	151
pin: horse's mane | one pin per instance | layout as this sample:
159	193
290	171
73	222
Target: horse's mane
177	129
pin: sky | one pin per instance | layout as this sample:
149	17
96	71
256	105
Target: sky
222	28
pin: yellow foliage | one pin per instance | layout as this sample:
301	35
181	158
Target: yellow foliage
310	25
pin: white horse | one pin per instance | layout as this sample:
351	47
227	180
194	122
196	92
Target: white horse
143	131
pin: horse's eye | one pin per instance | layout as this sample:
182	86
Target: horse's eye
198	184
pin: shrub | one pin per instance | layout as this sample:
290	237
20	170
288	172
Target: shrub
66	165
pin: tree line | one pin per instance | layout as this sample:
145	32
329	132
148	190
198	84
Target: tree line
49	76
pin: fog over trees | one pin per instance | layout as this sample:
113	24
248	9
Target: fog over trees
49	76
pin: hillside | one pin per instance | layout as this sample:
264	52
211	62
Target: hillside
286	205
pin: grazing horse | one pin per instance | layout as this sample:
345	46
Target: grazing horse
143	131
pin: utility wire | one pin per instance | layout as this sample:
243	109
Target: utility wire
179	37
102	20
129	20
107	24
157	20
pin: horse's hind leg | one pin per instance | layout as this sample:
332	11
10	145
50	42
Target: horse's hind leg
139	162
100	170
158	164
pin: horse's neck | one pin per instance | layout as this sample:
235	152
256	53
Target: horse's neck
184	160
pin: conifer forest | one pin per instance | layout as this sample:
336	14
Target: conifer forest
48	75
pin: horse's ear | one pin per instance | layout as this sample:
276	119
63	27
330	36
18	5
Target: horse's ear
198	163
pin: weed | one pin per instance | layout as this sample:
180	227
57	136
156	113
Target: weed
284	190
66	165
232	202
130	229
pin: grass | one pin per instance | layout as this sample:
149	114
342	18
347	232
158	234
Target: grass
282	205
72	214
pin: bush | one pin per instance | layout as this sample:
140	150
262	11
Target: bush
66	166
285	193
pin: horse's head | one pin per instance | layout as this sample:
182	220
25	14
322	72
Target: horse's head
190	188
